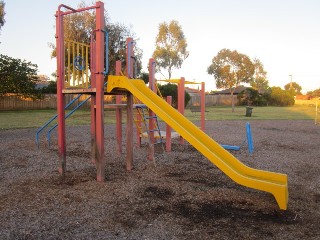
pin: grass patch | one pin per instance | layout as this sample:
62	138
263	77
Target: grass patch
36	118
296	112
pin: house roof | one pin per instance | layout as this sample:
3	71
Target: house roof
237	90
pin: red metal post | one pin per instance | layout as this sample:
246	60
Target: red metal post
129	131
168	129
100	161
60	95
181	100
93	100
203	106
119	113
151	113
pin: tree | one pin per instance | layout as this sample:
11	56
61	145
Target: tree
172	90
78	27
50	89
252	97
314	93
2	13
280	97
259	80
17	76
294	88
230	69
171	47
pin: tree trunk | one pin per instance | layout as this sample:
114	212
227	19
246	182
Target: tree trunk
232	101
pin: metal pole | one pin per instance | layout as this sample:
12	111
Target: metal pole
129	131
100	161
151	113
60	95
203	106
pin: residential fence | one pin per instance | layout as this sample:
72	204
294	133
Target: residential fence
49	101
13	102
214	100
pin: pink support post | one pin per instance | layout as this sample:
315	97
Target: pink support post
168	129
151	113
203	106
60	95
93	101
119	113
129	131
181	100
100	160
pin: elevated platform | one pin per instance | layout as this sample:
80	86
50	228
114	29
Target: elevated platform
162	133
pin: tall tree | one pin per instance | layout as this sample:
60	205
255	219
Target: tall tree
171	47
78	27
2	13
294	88
231	68
259	80
17	76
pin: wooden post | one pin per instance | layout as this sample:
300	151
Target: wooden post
181	100
129	131
168	129
60	95
118	114
100	161
151	113
203	106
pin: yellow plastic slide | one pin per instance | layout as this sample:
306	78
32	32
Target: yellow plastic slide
271	182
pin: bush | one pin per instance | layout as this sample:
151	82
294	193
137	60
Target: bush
275	97
251	97
172	90
281	97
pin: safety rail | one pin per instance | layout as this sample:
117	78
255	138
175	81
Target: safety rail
68	115
53	118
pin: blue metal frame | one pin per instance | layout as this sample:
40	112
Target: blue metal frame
229	147
53	118
68	115
249	138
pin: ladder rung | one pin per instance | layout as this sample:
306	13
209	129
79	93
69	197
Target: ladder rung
153	117
154	130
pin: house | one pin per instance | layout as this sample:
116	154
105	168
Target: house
237	90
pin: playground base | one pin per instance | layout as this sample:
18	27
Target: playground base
274	183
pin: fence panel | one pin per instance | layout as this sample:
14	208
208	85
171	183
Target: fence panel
13	102
214	100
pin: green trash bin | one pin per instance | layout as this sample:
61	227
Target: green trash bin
249	111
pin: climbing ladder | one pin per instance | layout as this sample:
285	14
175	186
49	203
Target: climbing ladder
141	120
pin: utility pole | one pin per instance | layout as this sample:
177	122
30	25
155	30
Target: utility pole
290	81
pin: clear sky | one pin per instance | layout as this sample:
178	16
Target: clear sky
283	34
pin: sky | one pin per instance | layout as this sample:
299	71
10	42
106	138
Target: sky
283	34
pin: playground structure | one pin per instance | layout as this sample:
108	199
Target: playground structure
274	183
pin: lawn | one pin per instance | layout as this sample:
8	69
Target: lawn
36	118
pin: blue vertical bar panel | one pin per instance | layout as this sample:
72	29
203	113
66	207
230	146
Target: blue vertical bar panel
249	138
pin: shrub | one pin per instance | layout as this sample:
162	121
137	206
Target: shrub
252	97
281	97
172	90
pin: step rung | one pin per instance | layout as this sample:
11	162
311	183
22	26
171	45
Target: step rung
154	130
153	117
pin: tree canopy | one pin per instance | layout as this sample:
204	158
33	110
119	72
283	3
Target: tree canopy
79	26
294	88
314	93
171	89
171	47
230	69
17	76
2	13
259	81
